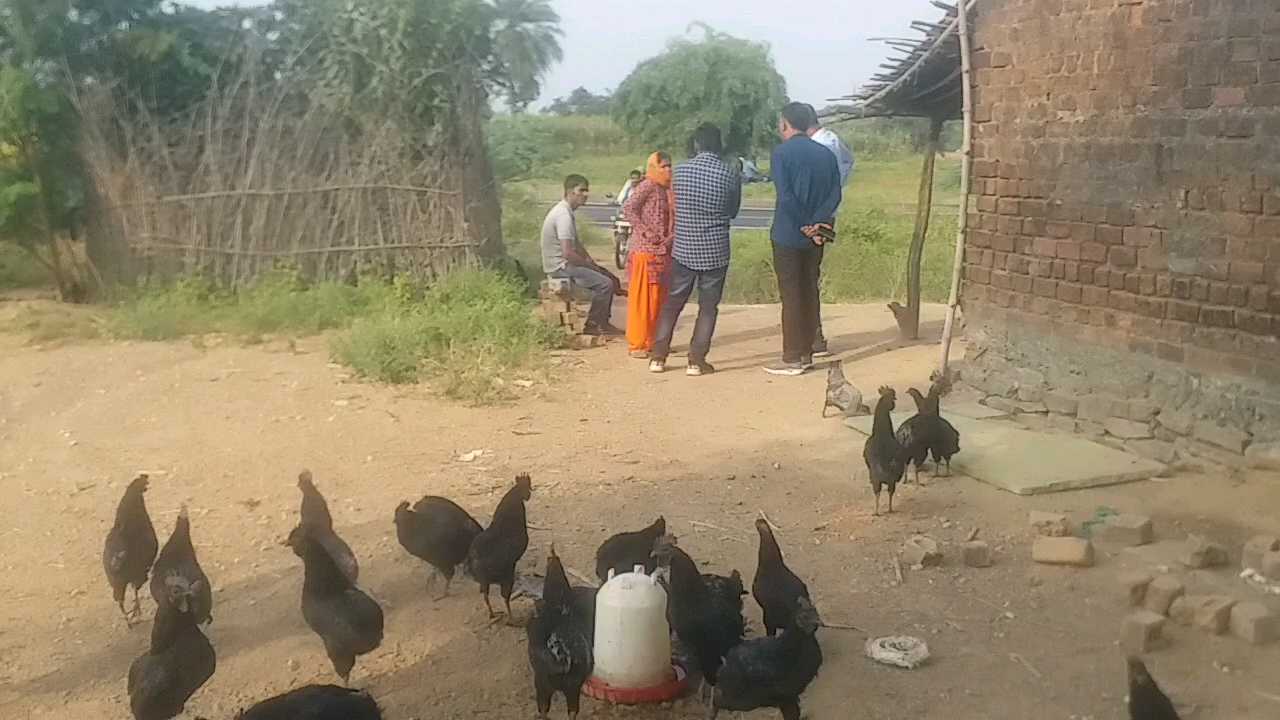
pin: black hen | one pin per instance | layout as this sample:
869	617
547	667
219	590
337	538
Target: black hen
439	532
347	620
178	663
315	702
130	547
919	433
315	516
775	587
1146	700
946	443
560	642
772	671
495	551
177	575
885	459
622	552
708	622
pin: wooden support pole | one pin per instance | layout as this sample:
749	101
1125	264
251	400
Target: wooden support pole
909	317
966	79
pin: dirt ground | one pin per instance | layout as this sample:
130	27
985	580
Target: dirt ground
226	429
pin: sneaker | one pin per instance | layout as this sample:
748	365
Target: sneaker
699	369
807	362
786	369
606	330
657	366
638	354
820	350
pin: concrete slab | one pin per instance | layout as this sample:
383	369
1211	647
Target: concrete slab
1025	462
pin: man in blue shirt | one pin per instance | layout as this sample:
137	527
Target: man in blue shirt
807	179
708	196
844	160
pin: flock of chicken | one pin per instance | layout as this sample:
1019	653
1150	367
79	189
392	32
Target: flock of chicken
705	610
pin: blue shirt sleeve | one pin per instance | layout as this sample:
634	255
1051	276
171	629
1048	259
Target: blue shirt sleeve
825	212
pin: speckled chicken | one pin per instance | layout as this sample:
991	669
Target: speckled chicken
496	551
841	394
885	459
775	588
706	621
560	642
179	661
439	532
314	513
772	672
348	621
177	573
622	552
131	547
315	702
1146	700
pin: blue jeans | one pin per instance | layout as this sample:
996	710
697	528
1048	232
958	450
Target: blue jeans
710	284
598	284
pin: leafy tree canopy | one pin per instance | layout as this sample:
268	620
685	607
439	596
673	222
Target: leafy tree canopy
581	102
720	79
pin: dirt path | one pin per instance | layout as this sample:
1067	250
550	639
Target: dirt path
226	429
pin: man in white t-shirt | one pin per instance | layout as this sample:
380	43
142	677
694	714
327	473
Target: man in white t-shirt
844	160
563	256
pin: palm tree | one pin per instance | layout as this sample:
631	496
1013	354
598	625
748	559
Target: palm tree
526	38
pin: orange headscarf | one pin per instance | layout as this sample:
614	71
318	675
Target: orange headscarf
662	176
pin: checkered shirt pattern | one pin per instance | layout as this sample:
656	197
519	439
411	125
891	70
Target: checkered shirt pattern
708	196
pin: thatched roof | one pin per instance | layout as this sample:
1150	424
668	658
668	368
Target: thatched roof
922	80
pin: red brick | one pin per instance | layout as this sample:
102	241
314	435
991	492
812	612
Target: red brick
1045	287
1270	206
1083	232
1199	289
1034	227
1093	252
1118	279
1217	316
1102	277
1069	292
986	204
1181	287
1095	296
1086	273
1033	208
1146	284
1247	272
1059	230
1002	242
1059	269
1258	298
1151	307
1110	235
1069	249
1238	295
1071	271
1219	293
1137	236
1007	206
1122	257
1131	281
1253	322
1000	279
1041	268
1122	301
1164	285
1021	284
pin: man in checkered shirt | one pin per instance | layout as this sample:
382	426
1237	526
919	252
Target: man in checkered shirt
708	197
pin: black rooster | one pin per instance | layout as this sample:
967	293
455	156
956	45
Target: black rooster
347	620
1146	700
560	642
130	547
622	552
706	621
439	532
495	551
776	588
946	443
885	459
919	433
772	671
177	574
179	661
314	514
315	702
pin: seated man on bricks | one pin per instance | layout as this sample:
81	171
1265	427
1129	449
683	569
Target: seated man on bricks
564	257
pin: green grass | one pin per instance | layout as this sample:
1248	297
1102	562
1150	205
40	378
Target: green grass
19	270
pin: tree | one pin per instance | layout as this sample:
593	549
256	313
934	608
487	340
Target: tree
581	102
721	79
526	40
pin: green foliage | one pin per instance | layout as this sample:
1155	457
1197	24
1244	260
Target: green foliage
721	79
526	39
19	269
581	102
523	146
465	335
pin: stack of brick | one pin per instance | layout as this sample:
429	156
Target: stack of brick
557	305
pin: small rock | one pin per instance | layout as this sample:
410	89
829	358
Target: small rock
1141	631
1200	553
1125	529
1214	614
1134	585
973	535
1183	609
1161	593
977	554
1127	429
1254	623
1258	546
922	551
292	665
1063	551
1050	524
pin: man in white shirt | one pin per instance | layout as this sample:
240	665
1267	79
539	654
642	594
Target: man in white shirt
563	256
844	160
628	186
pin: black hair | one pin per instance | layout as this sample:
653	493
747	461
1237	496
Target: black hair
707	139
636	172
575	181
800	116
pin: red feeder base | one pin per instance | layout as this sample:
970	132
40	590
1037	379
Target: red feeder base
670	690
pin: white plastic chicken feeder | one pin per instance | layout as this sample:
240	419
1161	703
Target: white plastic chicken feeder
633	642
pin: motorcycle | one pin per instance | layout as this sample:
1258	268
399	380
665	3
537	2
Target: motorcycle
621	241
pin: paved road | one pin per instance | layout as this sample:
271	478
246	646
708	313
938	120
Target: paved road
748	219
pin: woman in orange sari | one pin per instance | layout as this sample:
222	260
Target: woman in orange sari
650	209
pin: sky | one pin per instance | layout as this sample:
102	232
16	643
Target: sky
821	47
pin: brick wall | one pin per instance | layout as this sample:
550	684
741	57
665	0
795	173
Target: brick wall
1127	191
